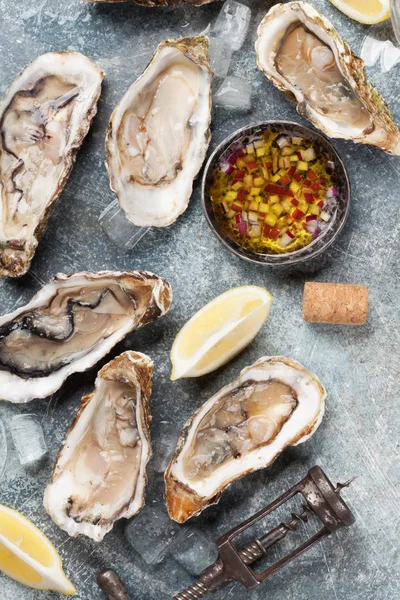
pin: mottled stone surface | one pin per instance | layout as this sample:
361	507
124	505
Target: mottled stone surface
359	366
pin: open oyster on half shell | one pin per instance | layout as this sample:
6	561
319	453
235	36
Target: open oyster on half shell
71	324
158	134
44	117
303	55
100	472
273	404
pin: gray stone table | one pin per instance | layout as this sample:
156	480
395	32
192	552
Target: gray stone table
359	366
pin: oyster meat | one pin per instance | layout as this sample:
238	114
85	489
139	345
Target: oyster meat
44	117
273	404
71	324
159	132
158	2
303	55
100	472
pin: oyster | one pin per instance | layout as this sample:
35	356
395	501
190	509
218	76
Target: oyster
158	134
71	324
44	118
273	404
302	54
100	472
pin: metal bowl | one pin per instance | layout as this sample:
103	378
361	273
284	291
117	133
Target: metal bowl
320	243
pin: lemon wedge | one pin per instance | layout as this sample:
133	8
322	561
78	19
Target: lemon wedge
28	556
364	11
219	331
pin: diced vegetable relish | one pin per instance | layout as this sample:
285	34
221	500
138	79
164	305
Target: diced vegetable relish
273	193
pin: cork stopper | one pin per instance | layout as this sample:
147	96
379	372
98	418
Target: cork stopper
339	303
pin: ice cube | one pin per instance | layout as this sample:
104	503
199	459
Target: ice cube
194	551
119	229
234	93
28	438
152	532
164	447
220	53
390	56
3	449
232	23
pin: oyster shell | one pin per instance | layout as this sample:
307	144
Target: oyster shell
302	54
71	324
100	471
158	134
44	117
273	404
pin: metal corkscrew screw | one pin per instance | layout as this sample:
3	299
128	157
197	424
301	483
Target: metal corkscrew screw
321	498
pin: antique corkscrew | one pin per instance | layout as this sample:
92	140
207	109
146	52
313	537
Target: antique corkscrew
321	499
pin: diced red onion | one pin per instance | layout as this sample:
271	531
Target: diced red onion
242	228
332	192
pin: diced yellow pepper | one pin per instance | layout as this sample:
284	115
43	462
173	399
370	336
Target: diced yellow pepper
231	196
282	172
303	206
236	186
314	209
275	178
248	181
258	198
250	149
295	186
274	199
302	165
258	181
255	191
260	151
281	222
277	209
270	219
263	207
240	163
254	206
294	158
231	213
287	150
287	205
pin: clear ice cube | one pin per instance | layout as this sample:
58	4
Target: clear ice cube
232	23
28	438
194	551
234	93
164	447
119	229
220	53
3	449
152	532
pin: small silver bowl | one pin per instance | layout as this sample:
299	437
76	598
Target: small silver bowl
320	243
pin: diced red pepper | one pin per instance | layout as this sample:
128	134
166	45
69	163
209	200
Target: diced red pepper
239	174
299	155
311	174
311	218
290	234
236	207
266	231
294	202
307	183
315	186
240	152
274	233
322	181
252	166
297	177
308	197
321	204
285	180
297	214
238	218
241	195
262	214
268	164
276	189
291	171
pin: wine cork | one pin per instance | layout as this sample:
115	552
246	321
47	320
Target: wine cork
112	585
340	303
